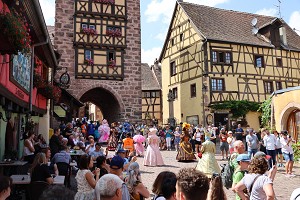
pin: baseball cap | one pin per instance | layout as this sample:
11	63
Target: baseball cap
121	151
243	157
116	162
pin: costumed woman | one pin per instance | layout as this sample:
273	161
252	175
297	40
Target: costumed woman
185	151
104	131
208	163
138	146
113	137
153	156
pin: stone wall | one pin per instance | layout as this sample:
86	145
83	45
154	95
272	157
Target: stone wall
128	91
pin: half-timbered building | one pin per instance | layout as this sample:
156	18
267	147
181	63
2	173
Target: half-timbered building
212	55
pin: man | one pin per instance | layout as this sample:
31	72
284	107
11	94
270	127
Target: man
62	156
224	146
239	132
243	161
116	168
98	151
191	185
109	187
238	148
55	142
269	143
122	154
252	142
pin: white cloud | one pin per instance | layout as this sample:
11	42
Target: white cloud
162	35
268	12
149	56
294	21
162	9
48	8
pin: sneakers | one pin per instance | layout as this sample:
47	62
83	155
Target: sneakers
292	175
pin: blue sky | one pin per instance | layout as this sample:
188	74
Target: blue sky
156	16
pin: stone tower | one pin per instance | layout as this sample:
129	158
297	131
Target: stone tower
100	45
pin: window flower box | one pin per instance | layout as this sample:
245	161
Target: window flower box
89	62
50	91
114	32
112	64
89	31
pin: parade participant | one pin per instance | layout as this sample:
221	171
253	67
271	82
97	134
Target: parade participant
113	137
104	131
138	146
153	156
185	151
208	163
128	143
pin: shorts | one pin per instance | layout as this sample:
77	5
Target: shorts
278	151
288	156
197	142
224	146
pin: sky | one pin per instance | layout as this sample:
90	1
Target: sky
156	16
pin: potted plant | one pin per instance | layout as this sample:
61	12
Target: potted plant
89	31
89	62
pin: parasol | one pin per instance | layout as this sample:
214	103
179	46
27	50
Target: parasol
138	138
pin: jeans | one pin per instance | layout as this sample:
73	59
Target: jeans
168	140
272	160
251	152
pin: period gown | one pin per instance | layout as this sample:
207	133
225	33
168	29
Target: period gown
113	139
153	156
185	151
208	163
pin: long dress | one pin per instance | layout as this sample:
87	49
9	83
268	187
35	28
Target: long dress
84	190
104	131
153	156
113	141
185	151
139	148
208	163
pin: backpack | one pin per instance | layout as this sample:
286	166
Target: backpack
226	174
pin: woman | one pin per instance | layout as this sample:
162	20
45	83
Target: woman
230	141
102	165
39	170
5	187
134	184
259	186
157	187
208	163
113	140
185	151
278	147
216	189
177	138
28	151
197	138
168	134
288	153
104	131
85	179
153	156
52	166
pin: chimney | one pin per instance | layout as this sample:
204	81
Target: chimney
282	33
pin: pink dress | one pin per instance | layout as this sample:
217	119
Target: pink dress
153	156
104	131
139	148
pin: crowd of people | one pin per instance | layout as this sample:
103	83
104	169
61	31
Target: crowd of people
253	157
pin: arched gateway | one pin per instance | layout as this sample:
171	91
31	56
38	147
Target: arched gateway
100	45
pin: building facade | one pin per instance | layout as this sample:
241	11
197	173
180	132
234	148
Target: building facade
100	44
213	55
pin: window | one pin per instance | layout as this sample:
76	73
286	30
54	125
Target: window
111	56
193	90
221	57
259	61
175	92
268	87
173	41
92	27
217	84
84	26
88	54
181	37
278	85
173	68
278	62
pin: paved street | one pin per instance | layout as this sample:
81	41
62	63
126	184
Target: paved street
283	186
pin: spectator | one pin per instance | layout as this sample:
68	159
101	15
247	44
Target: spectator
239	148
71	141
252	142
168	134
55	142
197	138
85	179
62	156
239	132
102	165
134	183
68	130
230	141
109	187
223	143
270	142
5	187
90	147
159	183
28	151
176	138
169	189
98	151
259	185
288	153
191	184
278	150
39	170
56	192
216	190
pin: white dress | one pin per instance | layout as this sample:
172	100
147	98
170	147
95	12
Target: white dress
84	190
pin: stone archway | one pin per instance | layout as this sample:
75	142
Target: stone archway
109	104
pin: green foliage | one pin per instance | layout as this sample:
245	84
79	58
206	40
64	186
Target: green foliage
237	108
296	148
265	109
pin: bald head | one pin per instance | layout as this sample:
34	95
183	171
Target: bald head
239	147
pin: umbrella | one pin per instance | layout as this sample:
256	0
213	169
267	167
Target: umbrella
138	138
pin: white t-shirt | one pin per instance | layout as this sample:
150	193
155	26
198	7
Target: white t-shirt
286	148
258	192
270	141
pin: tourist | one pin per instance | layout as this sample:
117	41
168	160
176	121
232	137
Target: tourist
63	156
278	150
239	132
153	156
258	184
98	151
158	184
102	165
56	192
191	185
269	143
185	151
39	169
91	146
68	130
230	141
5	187
28	151
176	138
252	143
109	187
168	189
134	183
197	140
216	189
52	167
224	147
55	142
85	179
168	135
239	148
208	163
288	153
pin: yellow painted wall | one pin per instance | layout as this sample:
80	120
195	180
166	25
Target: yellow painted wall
253	120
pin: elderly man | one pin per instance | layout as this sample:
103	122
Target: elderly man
252	142
239	148
109	187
